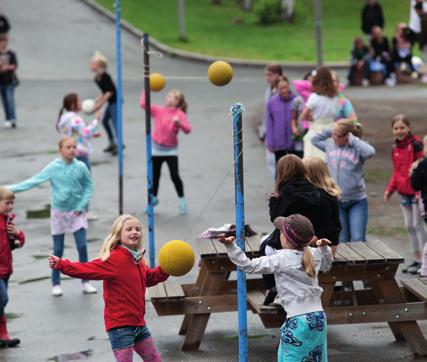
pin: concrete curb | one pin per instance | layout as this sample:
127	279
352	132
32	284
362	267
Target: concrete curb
197	57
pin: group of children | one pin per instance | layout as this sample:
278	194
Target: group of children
381	57
71	190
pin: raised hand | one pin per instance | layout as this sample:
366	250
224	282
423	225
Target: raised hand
226	241
322	242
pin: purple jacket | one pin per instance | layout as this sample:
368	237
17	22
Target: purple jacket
279	119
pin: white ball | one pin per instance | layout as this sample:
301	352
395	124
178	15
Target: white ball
88	106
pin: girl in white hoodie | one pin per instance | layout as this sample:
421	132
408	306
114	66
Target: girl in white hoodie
295	268
70	124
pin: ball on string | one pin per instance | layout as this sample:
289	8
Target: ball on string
157	82
220	73
88	106
176	257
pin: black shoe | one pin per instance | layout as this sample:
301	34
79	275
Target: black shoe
114	151
412	268
271	295
13	342
110	148
13	125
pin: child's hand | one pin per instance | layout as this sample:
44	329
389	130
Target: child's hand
53	260
176	120
387	195
226	241
270	195
12	229
322	242
98	115
97	134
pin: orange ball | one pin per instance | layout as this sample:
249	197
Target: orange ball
220	73
157	82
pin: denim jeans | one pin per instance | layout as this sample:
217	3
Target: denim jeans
58	250
354	219
85	160
8	100
110	114
3	295
125	337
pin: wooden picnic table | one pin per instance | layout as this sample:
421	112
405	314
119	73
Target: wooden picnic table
373	262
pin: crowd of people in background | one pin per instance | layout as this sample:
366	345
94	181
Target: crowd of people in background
316	122
375	59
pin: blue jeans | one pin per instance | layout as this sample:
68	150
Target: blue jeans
354	219
85	160
3	295
125	337
8	100
58	250
110	114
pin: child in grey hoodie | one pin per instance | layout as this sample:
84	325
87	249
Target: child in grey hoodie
345	155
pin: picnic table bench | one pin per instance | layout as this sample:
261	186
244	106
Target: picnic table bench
372	262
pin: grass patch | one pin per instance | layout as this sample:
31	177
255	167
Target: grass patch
11	316
390	231
39	214
374	175
212	30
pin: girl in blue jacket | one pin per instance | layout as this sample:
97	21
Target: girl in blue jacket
72	187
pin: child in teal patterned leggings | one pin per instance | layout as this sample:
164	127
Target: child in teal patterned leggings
295	268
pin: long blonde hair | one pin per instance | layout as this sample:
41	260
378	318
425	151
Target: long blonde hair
318	174
114	237
308	263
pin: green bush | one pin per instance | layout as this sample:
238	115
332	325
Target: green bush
268	11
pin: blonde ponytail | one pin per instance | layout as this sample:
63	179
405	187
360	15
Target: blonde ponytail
308	262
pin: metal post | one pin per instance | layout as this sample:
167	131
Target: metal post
119	129
150	208
237	111
181	20
318	26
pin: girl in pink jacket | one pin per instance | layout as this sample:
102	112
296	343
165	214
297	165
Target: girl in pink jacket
168	121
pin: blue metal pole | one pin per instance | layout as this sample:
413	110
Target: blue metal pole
119	129
150	213
237	111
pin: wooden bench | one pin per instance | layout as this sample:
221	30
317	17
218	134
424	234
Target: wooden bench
417	286
384	301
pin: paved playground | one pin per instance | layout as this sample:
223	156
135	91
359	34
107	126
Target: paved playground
54	41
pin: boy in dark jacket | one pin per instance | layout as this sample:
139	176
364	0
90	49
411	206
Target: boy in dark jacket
8	81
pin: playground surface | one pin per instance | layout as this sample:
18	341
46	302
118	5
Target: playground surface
57	63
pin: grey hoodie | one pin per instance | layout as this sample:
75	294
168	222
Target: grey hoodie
345	163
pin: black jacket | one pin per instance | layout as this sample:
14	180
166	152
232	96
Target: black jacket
372	15
301	197
419	181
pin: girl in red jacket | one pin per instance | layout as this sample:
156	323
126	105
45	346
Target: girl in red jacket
168	121
408	148
125	277
10	238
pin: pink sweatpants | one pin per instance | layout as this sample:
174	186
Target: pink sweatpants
146	349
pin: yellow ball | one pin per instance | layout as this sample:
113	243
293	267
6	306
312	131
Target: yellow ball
176	257
157	82
220	73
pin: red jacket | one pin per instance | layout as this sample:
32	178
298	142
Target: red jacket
5	251
124	285
403	154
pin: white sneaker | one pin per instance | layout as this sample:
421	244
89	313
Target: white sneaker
390	82
88	288
365	82
56	291
7	124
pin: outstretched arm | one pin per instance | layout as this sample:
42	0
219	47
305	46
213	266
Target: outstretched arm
155	276
32	182
262	265
93	270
